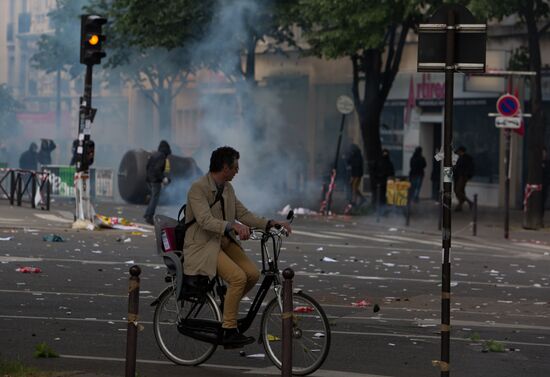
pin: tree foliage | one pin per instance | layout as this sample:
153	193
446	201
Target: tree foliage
8	107
60	50
372	35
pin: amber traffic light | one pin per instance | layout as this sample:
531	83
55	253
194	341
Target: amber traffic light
91	39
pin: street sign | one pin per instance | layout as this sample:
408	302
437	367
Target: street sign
508	105
469	42
344	104
508	122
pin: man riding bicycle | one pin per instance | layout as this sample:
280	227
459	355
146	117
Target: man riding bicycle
211	243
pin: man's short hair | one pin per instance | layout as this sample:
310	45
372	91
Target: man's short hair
461	149
222	156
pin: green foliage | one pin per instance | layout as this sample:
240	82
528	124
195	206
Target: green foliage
519	60
42	350
343	28
475	337
501	8
15	369
494	346
8	107
60	50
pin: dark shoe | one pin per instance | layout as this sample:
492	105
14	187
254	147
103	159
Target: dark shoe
149	220
232	338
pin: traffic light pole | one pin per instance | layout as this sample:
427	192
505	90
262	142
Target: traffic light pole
84	218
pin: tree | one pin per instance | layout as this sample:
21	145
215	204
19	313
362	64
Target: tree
535	16
149	44
372	35
8	107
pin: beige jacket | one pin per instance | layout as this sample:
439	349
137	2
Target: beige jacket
203	238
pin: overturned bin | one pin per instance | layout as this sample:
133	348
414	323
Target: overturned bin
132	173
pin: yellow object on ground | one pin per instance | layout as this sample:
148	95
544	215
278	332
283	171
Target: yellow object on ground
397	192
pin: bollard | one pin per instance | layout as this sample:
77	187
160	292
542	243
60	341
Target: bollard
286	368
12	187
378	202
408	213
48	193
474	227
440	217
133	306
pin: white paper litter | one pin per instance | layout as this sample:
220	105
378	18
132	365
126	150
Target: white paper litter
328	259
6	238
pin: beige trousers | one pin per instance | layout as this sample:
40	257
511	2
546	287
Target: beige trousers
240	274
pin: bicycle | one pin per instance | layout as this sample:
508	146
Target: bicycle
188	313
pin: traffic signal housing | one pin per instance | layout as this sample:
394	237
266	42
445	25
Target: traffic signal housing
91	39
88	154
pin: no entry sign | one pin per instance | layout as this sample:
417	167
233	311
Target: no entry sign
508	105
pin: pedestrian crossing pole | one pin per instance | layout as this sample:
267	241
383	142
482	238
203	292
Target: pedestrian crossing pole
91	53
451	42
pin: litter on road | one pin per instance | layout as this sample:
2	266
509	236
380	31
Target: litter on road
29	270
53	238
328	259
6	238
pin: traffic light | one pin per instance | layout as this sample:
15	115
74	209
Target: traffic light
91	39
86	159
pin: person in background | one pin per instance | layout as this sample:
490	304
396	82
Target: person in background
45	153
354	162
29	158
382	171
158	174
463	172
545	177
74	148
416	174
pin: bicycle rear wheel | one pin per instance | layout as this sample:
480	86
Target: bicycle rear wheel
177	347
310	334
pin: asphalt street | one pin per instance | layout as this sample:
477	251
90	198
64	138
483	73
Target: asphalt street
78	303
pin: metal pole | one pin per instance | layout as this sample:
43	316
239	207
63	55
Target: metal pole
447	192
474	227
13	184
288	313
33	189
335	166
19	189
507	134
440	211
133	308
378	202
48	192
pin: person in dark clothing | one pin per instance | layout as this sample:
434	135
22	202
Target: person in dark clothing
73	151
29	158
463	172
545	177
158	170
416	174
354	163
45	153
382	171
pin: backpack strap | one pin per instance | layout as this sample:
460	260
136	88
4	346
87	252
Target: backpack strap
218	198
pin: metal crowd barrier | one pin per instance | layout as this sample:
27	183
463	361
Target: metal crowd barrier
18	185
62	181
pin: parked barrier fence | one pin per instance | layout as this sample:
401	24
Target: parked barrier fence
62	181
20	185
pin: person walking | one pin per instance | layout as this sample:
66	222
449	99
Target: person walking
354	162
463	172
416	174
382	171
158	174
29	158
45	152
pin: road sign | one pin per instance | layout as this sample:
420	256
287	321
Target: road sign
508	105
469	42
344	104
508	122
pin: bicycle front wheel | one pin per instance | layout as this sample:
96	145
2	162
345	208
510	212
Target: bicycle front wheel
177	347
310	334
